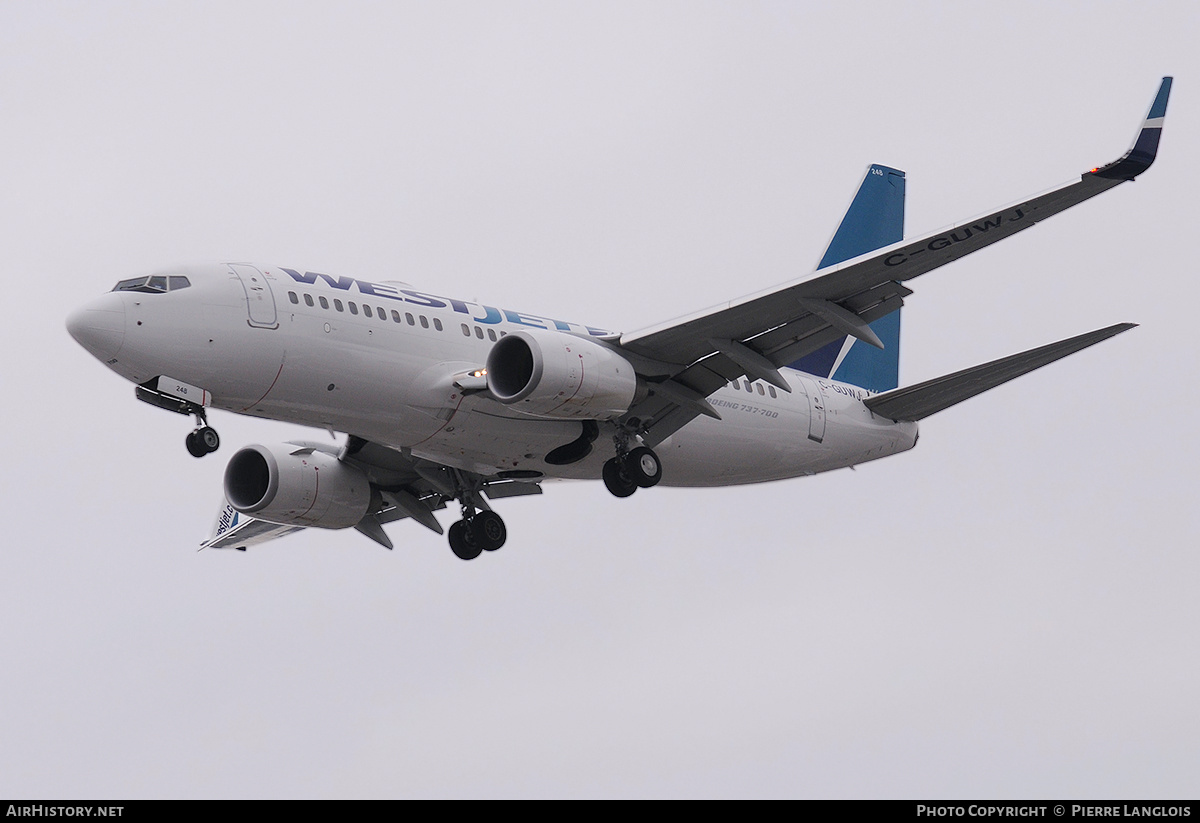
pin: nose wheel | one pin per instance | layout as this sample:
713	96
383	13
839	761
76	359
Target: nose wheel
202	441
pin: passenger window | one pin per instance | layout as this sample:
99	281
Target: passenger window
492	335
437	324
337	304
466	330
409	318
760	388
308	301
746	383
424	322
381	313
366	309
353	306
292	296
324	302
479	332
771	389
396	316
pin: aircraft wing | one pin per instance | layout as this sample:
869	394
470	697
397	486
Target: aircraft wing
409	487
689	358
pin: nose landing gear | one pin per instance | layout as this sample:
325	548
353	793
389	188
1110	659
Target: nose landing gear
202	441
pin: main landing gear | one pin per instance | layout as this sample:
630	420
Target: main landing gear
638	468
480	530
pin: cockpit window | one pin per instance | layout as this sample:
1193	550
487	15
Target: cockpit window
138	284
155	284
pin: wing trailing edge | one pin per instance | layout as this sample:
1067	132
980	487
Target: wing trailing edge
920	401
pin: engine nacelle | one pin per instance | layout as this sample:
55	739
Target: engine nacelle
551	374
296	486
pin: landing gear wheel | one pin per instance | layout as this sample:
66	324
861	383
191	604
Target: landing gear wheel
463	542
202	441
207	437
489	530
194	446
643	467
617	479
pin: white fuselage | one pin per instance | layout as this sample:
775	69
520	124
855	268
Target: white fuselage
380	361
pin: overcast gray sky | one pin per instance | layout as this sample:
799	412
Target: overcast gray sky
1009	610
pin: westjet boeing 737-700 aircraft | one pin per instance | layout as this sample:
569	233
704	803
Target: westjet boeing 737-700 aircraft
447	400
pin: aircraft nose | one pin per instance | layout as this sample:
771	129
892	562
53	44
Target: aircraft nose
99	326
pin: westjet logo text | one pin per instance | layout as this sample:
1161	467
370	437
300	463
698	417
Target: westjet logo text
227	520
491	315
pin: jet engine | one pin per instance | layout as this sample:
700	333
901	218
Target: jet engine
550	374
296	486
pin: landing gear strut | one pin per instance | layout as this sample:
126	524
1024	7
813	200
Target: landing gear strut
480	530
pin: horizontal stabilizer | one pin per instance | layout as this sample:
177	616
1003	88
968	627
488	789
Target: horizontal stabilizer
919	401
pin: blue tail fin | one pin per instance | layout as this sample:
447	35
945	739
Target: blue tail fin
875	219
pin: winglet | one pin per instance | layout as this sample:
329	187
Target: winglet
1145	147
